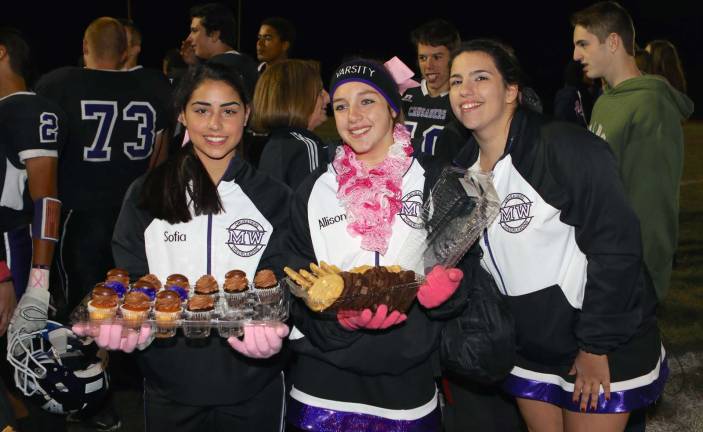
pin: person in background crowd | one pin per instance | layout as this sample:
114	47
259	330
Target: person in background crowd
290	103
426	108
574	101
31	136
274	41
213	37
640	117
117	128
666	62
134	44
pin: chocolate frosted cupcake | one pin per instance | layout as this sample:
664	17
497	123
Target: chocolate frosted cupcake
179	283
167	301
119	275
103	303
198	314
151	278
265	279
145	287
178	279
236	288
167	309
206	285
200	307
135	308
267	287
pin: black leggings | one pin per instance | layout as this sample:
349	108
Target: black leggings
265	412
84	253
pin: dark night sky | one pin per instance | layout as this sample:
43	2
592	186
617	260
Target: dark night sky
539	31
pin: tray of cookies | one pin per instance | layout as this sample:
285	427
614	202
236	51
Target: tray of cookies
326	288
176	305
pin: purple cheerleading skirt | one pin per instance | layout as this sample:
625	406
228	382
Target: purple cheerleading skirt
620	401
311	418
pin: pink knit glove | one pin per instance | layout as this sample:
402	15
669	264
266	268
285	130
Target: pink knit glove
115	337
260	341
354	320
439	285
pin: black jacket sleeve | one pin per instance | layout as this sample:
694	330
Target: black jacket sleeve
128	238
592	200
286	161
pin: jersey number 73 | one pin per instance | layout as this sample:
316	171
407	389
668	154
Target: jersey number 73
106	112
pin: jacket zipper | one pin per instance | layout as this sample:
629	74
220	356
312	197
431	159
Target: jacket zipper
209	242
493	260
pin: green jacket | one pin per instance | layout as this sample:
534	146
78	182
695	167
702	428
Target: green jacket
641	120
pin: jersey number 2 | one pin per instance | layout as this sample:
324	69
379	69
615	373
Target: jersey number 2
48	127
106	113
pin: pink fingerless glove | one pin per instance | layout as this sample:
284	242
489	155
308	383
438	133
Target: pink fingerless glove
115	337
260	341
354	320
439	285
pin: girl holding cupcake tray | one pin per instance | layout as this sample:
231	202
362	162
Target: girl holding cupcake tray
205	192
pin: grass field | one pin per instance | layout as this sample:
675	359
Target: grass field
681	317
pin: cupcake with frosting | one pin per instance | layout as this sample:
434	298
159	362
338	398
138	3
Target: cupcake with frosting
135	308
103	303
179	283
152	279
207	285
146	287
200	307
267	287
167	310
236	287
118	279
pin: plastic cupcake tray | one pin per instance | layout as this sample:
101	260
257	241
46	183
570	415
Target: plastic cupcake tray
228	317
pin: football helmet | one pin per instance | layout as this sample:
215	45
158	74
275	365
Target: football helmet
60	371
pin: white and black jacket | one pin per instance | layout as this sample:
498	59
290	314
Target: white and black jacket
565	238
247	235
384	373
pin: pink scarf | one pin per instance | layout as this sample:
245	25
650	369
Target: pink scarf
373	196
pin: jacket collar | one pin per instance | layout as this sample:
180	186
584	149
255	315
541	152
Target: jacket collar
237	169
514	145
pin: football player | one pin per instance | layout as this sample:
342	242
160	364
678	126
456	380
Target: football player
116	131
426	107
117	124
31	134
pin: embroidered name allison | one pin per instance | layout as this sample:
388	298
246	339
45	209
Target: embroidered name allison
327	221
